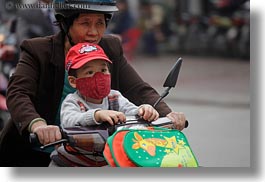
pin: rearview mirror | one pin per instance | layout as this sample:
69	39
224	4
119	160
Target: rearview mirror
171	80
173	75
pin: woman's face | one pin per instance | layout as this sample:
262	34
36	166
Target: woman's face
88	28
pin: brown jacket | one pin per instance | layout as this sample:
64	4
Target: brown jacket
35	91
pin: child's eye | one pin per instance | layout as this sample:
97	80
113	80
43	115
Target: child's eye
104	70
90	72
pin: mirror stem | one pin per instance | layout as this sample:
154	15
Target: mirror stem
163	95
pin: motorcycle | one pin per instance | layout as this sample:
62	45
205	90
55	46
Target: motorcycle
96	146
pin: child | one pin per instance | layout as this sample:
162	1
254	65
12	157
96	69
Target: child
94	102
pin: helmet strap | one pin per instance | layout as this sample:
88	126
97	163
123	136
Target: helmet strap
65	29
70	39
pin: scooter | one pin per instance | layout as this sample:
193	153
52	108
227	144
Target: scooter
89	146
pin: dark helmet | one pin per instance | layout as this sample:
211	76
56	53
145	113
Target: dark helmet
67	8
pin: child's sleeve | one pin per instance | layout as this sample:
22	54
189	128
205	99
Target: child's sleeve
75	114
127	107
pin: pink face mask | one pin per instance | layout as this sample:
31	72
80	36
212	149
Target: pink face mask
95	87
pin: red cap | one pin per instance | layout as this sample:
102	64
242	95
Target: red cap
82	53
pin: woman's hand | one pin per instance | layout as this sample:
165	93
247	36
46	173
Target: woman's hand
178	119
46	133
148	113
113	117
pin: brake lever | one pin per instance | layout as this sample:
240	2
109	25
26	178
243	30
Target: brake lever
136	119
165	121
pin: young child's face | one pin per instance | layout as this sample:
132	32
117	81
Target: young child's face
92	67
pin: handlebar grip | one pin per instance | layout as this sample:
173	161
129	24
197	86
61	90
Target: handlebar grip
186	124
33	139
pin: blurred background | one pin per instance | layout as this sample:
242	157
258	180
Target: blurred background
211	36
194	27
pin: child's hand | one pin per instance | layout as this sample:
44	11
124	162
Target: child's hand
110	116
148	113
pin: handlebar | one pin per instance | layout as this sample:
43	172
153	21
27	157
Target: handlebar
34	140
105	130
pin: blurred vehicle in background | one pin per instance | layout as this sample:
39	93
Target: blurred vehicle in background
219	28
8	61
15	26
222	29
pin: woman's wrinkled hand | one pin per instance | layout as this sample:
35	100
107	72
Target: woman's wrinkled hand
46	133
178	119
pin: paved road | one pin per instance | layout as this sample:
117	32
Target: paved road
214	95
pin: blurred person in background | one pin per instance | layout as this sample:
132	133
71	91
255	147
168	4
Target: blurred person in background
123	24
153	25
122	20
